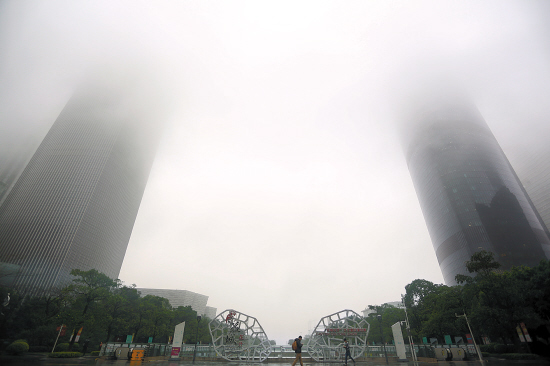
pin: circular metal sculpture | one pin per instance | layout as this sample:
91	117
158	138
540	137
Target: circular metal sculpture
239	337
327	340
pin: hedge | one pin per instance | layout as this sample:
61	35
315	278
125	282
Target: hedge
498	348
512	356
65	355
520	356
94	353
17	348
64	347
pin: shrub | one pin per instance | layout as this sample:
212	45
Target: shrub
39	349
500	348
17	348
486	347
62	347
65	355
41	336
520	356
94	353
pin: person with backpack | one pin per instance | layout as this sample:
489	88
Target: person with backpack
297	347
348	353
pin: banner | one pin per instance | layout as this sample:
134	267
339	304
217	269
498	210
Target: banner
525	332
72	336
520	334
177	340
78	335
63	329
399	342
178	335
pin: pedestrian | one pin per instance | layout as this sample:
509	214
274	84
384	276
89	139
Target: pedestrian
85	348
348	353
298	351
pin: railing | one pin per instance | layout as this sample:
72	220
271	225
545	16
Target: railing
151	349
207	350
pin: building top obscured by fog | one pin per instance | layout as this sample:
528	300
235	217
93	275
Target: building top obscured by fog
470	196
75	203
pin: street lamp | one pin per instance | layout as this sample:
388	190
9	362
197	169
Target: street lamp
472	334
382	337
196	337
411	341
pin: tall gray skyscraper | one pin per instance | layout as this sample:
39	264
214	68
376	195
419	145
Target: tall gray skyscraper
15	152
75	204
533	168
470	196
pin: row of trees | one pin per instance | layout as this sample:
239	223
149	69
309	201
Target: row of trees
103	308
495	302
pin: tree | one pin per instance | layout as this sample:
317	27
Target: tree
539	287
390	315
482	263
439	312
87	289
158	313
116	310
497	302
415	294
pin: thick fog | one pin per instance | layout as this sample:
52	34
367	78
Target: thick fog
280	187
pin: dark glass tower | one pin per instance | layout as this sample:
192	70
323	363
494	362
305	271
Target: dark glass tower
470	196
75	204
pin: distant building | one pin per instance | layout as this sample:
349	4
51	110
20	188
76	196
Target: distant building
210	312
179	298
470	196
75	203
367	311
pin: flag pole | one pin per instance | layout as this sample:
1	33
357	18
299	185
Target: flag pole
55	344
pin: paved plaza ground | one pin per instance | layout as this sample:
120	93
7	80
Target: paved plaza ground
42	360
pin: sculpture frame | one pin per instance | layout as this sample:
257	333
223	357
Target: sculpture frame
239	337
326	340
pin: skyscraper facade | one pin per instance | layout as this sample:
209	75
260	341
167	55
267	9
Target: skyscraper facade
75	204
533	168
14	156
470	196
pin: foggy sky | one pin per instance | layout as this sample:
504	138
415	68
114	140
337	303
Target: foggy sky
280	188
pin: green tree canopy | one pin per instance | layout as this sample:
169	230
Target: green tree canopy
482	263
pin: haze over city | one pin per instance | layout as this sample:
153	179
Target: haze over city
280	187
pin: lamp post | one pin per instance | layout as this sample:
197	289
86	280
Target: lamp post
196	337
382	337
472	334
411	341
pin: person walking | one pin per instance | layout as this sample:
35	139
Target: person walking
348	353
298	351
